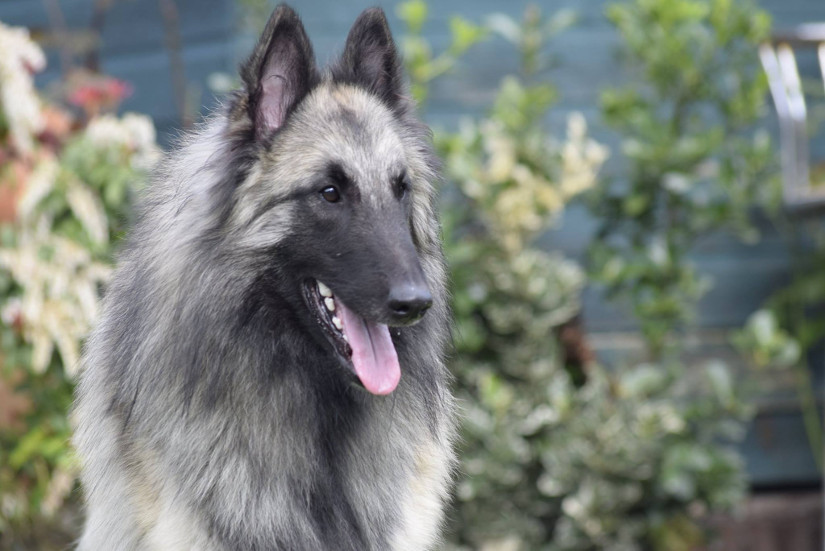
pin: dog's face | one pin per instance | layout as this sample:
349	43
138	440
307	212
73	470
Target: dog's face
337	190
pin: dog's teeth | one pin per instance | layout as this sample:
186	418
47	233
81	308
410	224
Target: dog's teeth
345	336
330	304
337	323
325	291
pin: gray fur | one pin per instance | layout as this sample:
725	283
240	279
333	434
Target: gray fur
207	417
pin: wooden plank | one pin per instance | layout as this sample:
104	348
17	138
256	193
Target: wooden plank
772	522
776	450
132	26
149	74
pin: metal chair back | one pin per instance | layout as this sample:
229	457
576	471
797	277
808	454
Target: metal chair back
778	59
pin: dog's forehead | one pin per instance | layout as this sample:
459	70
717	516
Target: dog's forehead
350	126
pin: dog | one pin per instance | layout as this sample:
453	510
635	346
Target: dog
268	371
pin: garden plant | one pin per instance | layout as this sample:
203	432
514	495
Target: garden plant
631	456
68	180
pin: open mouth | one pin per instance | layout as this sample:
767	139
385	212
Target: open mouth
364	346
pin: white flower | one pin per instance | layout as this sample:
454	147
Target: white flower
763	326
40	183
105	131
19	56
132	131
11	311
581	157
58	302
140	130
88	209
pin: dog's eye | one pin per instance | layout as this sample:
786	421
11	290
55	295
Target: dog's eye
331	194
402	185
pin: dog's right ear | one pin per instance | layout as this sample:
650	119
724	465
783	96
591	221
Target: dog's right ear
279	73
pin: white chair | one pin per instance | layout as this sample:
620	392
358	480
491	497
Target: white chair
779	62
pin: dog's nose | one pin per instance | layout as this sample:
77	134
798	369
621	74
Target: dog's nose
408	303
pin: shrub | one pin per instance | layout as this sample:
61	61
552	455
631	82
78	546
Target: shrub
628	458
70	187
695	161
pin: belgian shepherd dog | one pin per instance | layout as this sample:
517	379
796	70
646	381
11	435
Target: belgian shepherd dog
268	369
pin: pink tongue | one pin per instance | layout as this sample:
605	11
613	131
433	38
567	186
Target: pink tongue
373	354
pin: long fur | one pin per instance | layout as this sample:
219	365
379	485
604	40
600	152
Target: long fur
208	417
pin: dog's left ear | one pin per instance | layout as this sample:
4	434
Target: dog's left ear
370	59
280	71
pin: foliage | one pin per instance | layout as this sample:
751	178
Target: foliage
782	334
627	459
425	66
70	189
694	163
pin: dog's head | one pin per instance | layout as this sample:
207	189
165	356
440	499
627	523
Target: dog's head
341	191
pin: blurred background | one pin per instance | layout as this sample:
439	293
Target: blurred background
632	206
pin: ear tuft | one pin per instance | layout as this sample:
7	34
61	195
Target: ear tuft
280	71
370	59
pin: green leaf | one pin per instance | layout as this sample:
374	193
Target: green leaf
28	447
465	34
413	13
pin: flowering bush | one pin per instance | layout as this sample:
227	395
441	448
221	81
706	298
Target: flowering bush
71	190
514	172
556	456
21	113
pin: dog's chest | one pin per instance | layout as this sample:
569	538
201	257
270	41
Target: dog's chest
421	508
395	476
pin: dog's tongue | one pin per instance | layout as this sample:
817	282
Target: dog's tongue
373	354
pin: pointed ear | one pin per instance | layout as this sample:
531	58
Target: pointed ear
370	59
280	71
